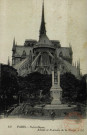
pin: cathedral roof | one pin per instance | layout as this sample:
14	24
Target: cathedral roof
20	49
44	42
18	65
71	68
30	42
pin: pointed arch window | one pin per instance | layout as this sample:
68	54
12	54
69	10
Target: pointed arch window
24	53
60	54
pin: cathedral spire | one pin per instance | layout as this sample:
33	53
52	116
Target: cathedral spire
42	27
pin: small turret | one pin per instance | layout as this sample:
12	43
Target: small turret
80	73
78	66
14	48
8	62
75	63
71	52
72	63
70	46
16	43
13	54
79	63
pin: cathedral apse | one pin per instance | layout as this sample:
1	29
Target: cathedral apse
40	56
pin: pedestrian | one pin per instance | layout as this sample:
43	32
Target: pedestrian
53	114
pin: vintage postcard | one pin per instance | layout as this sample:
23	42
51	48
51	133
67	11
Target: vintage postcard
43	67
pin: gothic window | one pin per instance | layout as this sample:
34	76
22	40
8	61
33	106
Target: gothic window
37	53
55	66
33	50
24	53
52	53
55	45
45	72
50	59
60	54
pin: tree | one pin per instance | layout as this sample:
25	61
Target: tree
9	85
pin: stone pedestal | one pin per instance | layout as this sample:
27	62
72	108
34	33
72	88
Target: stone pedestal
56	90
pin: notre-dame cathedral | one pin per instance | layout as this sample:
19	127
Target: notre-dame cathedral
41	56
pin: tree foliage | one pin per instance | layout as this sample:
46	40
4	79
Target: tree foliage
74	90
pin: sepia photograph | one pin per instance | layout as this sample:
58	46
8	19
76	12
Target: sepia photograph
43	67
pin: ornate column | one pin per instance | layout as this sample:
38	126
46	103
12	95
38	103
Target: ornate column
52	78
58	78
56	90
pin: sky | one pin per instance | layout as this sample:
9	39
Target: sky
66	21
